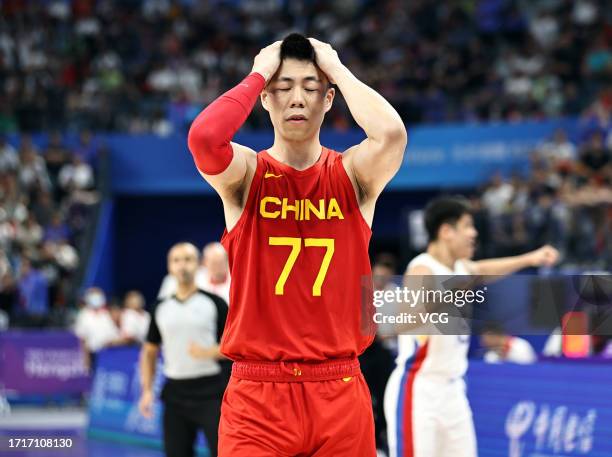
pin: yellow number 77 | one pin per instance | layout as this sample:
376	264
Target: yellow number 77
296	245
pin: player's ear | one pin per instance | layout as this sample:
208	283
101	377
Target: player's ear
264	99
445	230
330	93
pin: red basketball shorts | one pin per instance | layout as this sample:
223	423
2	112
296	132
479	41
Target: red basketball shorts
275	409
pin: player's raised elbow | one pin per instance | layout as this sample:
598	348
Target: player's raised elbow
395	137
200	138
211	151
394	134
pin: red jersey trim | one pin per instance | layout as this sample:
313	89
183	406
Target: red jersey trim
315	167
409	399
296	371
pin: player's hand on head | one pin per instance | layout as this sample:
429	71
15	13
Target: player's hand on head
267	61
546	256
326	57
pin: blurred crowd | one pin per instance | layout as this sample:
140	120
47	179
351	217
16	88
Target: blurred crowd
150	65
46	195
101	322
565	200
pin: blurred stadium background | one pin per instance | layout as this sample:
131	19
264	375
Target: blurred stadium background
508	102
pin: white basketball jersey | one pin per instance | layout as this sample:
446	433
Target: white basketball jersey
439	355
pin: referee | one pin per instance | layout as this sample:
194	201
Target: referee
188	326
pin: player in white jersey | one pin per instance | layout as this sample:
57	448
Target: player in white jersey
426	408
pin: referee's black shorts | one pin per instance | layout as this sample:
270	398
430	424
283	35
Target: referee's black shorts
191	405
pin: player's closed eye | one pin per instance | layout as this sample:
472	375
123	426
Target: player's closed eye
287	89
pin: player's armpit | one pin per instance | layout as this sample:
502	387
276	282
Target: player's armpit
374	162
370	172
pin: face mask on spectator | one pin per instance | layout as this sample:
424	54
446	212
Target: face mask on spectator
95	300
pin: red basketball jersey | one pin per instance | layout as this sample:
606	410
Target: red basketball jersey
298	257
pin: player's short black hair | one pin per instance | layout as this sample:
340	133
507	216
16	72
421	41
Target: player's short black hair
296	46
444	210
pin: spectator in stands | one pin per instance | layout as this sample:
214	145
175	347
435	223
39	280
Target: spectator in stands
95	326
598	59
607	350
217	279
7	285
9	160
134	319
540	218
553	347
87	149
4	320
76	175
14	209
595	161
498	195
115	311
57	231
33	173
33	298
545	58
212	275
559	151
572	338
10	187
505	348
29	234
6	230
43	208
32	226
56	156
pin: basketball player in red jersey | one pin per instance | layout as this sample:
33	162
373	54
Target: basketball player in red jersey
298	219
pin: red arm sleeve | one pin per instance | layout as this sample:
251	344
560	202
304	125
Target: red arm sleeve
211	132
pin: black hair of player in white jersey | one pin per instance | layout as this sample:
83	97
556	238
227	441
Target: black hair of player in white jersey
444	210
